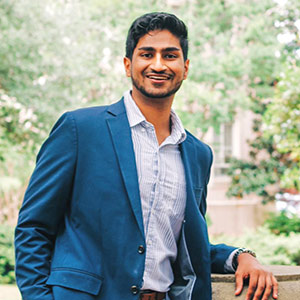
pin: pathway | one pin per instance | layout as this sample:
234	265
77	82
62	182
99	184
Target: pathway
9	292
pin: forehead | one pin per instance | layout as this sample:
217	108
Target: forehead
159	39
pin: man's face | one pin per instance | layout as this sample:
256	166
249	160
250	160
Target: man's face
157	67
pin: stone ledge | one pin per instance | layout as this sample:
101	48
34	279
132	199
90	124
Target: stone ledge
288	277
222	285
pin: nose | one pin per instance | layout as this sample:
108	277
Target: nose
158	64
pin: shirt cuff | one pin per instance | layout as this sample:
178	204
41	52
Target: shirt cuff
228	264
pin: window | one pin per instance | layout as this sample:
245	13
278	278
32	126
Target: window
222	144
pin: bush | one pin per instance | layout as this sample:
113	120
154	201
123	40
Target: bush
283	224
7	259
271	249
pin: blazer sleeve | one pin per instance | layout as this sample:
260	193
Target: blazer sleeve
44	205
219	254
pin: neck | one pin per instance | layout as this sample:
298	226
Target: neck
157	111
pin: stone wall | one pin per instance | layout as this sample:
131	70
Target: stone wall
288	277
235	216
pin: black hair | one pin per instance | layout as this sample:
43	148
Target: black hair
156	21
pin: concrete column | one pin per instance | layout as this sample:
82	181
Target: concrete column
288	277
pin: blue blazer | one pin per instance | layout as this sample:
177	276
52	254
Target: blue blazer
80	226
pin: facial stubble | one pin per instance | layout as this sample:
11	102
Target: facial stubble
166	94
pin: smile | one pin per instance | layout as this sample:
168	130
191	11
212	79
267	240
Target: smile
159	77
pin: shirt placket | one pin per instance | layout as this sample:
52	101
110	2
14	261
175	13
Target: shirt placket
151	229
155	188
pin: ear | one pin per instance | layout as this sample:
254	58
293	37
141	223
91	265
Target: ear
186	68
127	66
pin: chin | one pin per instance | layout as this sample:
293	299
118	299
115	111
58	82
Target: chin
156	93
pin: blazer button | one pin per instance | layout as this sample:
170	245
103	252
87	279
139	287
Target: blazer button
141	249
134	289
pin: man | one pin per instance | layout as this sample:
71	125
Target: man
115	207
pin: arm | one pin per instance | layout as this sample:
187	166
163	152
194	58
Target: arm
261	283
219	255
43	208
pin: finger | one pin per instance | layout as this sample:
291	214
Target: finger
275	287
261	284
268	289
252	286
238	283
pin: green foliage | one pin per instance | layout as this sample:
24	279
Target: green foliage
271	249
7	260
296	258
262	172
282	122
283	224
232	46
266	169
60	55
21	132
274	162
253	176
56	55
20	129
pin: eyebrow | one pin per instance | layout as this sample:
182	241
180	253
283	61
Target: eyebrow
164	50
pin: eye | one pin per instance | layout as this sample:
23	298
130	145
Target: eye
170	56
147	55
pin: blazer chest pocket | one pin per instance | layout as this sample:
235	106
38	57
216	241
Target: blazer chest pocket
76	280
198	194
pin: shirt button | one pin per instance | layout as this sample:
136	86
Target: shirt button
134	289
141	249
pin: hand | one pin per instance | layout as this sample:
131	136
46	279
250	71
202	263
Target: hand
261	281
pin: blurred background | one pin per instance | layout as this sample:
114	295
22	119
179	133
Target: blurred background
242	97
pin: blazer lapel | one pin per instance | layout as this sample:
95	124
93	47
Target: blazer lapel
123	146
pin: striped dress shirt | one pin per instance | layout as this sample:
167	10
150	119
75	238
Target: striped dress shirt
162	188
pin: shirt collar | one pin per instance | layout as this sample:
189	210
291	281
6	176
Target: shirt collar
178	133
135	117
134	114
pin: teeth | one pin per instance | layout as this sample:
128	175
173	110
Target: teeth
158	77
